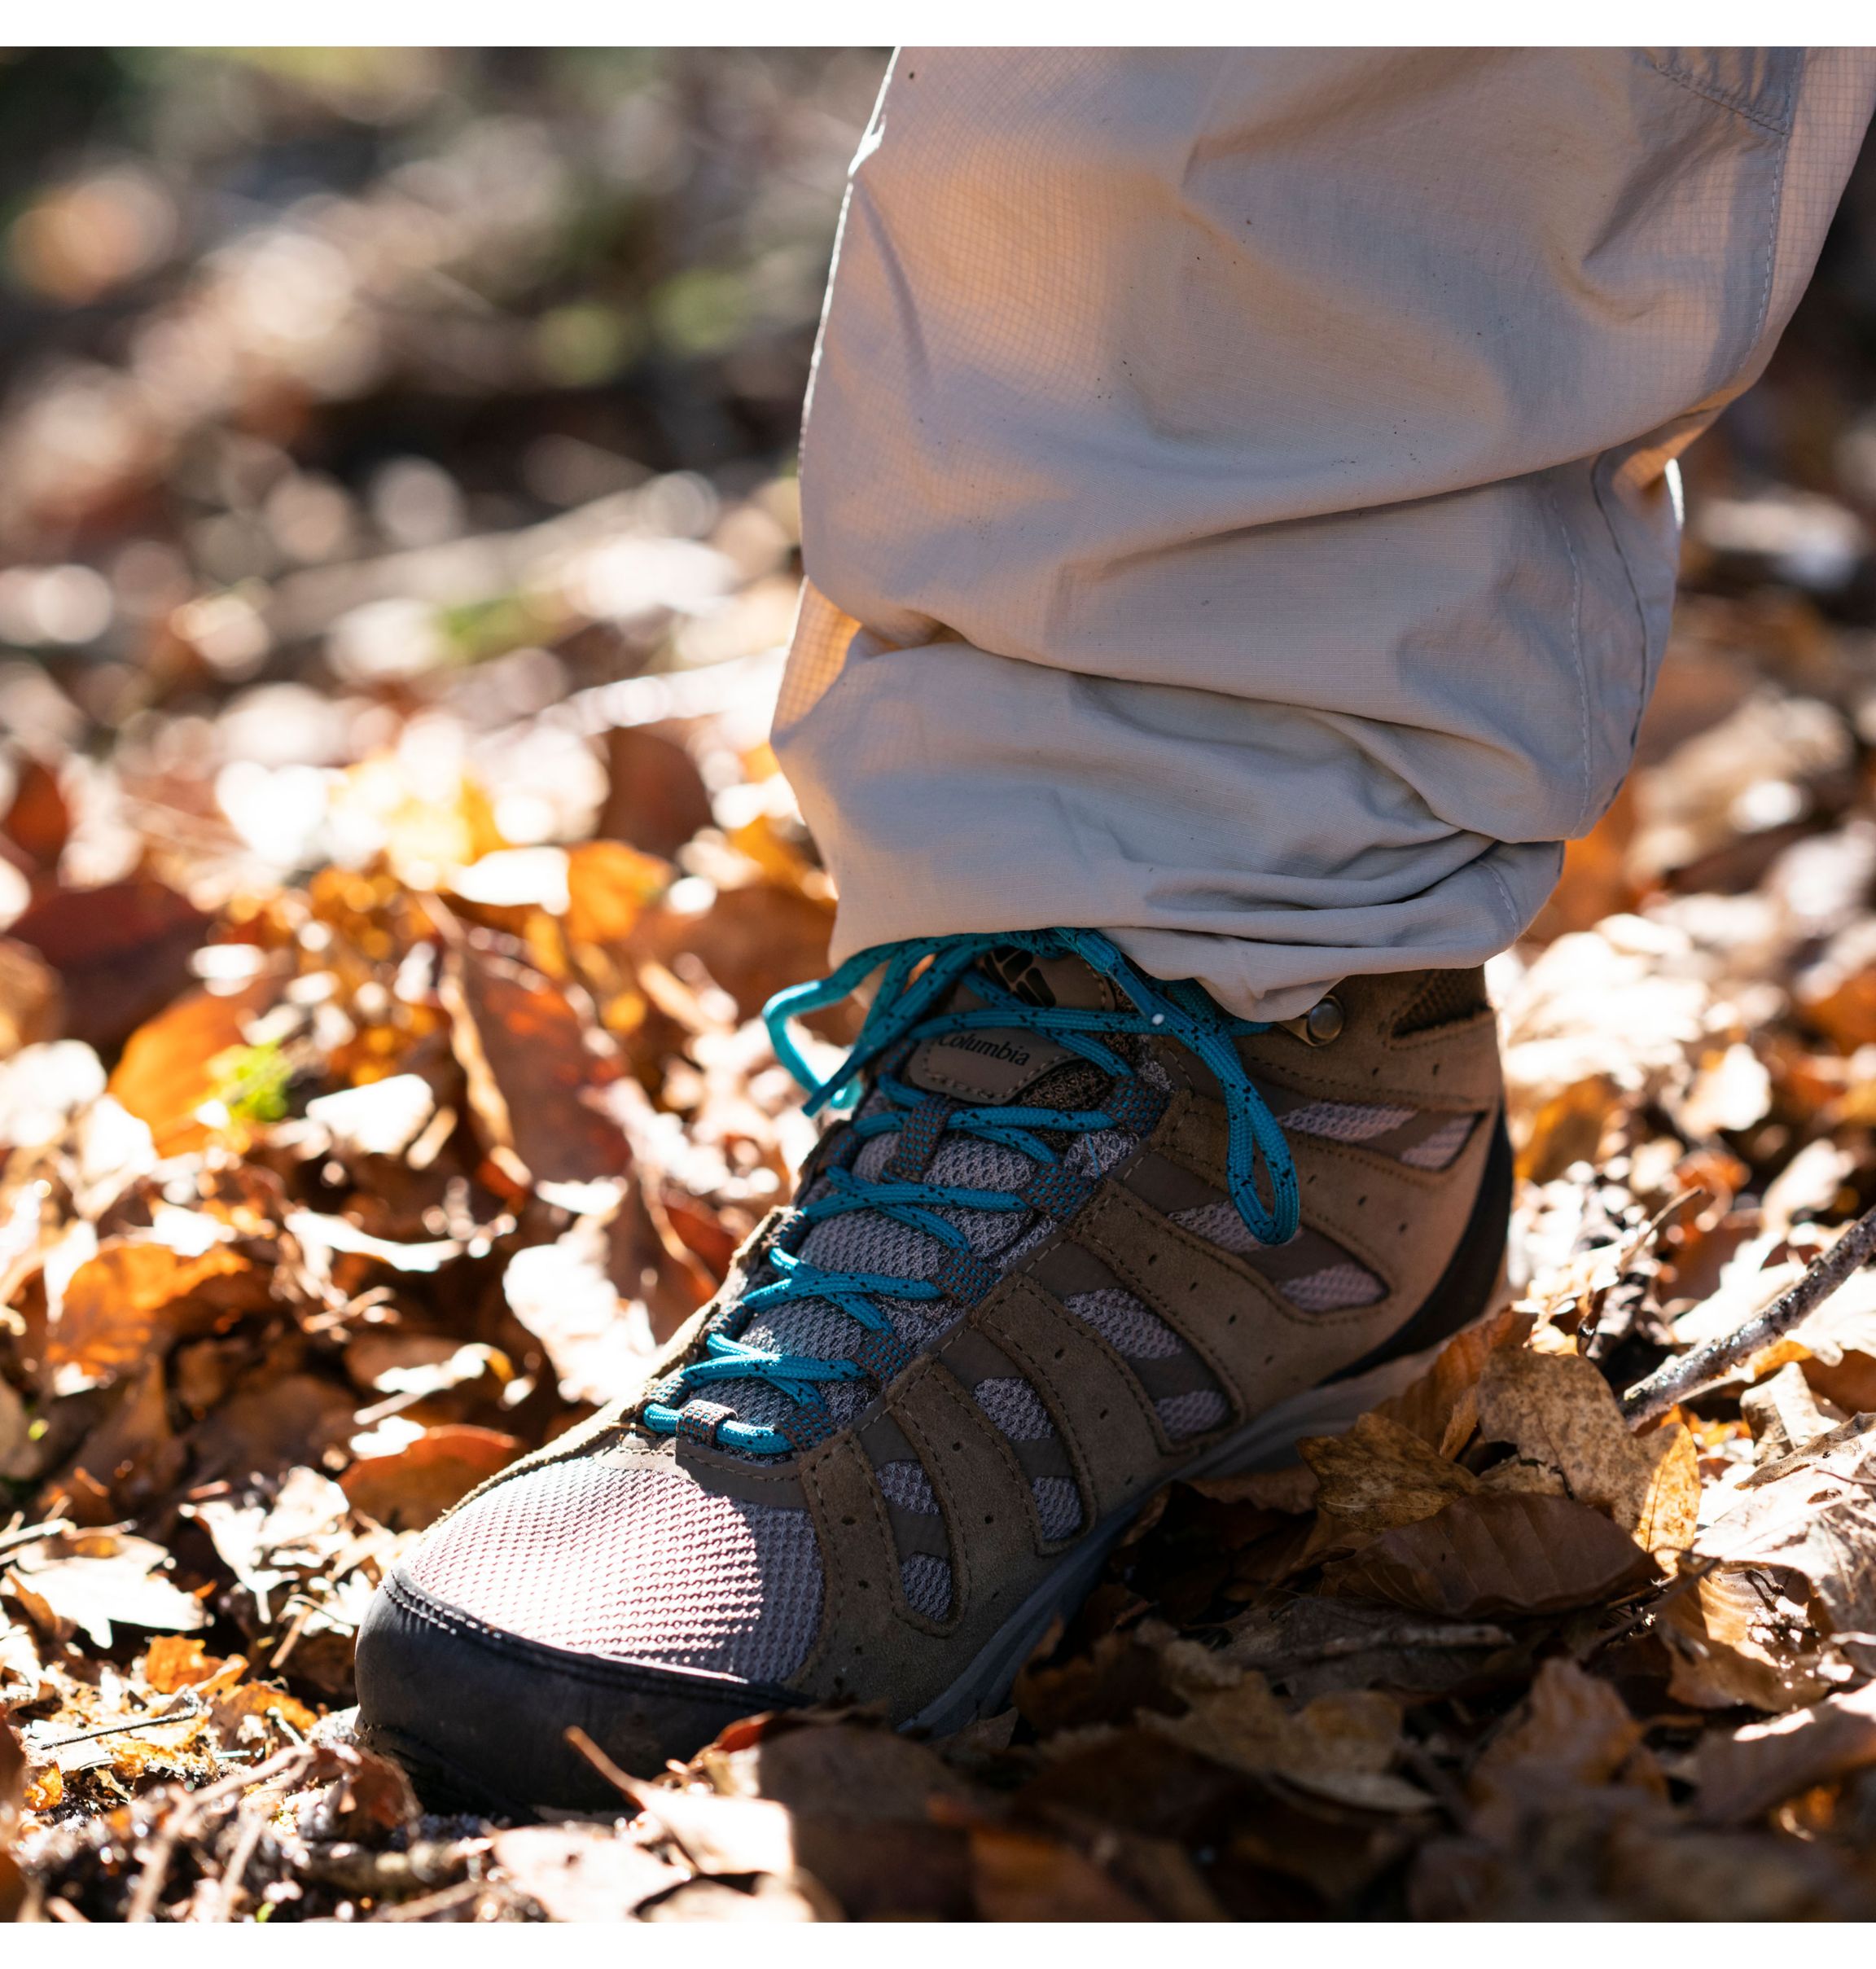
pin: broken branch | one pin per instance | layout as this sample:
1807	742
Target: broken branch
1694	1373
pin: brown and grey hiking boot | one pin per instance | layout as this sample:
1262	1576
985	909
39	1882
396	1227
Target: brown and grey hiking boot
1084	1233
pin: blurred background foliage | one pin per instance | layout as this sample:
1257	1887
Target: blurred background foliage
304	354
275	311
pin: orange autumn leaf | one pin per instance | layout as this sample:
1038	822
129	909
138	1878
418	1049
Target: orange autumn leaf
414	1486
136	1298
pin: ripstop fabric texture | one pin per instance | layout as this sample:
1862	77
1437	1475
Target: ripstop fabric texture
1237	496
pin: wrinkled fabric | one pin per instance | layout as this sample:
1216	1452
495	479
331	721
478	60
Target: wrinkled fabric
1238	493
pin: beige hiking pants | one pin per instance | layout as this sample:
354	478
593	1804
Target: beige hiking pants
1239	511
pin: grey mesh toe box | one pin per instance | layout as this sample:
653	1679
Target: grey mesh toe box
609	1592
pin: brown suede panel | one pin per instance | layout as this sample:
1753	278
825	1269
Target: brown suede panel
1451	1068
913	1532
1261	1347
868	1631
981	1486
869	1641
972	1356
1106	1424
1401	1222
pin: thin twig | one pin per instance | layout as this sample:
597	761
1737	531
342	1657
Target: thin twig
445	1900
31	1534
256	1809
629	1786
1652	1603
196	1708
1695	1372
186	1814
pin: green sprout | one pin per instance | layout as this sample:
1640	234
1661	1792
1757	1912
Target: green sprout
251	1082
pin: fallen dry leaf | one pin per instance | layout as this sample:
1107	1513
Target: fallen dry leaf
31	999
1571	1731
38	821
1311	1645
1442	1407
178	1661
763	1897
1784	1414
371	1797
1729	1649
1376	1475
1341	1746
121	953
580	1873
609	888
754	941
168	1069
414	1486
1810	1514
1027	1876
265	1702
598	1343
1503	1553
136	1299
536	1080
1747	1772
718	1835
837	1770
1562	1419
133	1455
656	798
92	1582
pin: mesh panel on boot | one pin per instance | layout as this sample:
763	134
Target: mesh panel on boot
1127	1325
1441	1149
926	1580
1058	1504
1015	1407
1446	998
1191	1414
633	1563
967	1164
1095	1155
1334	1286
863	1241
1220	1224
906	1485
1344	1120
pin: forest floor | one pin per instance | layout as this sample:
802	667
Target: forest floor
392	866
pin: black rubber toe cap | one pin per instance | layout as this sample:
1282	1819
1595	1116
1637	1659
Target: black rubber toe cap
479	1716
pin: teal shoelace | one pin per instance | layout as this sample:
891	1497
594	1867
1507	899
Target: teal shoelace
909	1008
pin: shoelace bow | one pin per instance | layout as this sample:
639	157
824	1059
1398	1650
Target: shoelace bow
906	1010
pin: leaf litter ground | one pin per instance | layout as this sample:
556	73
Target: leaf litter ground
391	868
402	1162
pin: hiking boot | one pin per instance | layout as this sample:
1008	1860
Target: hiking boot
1085	1233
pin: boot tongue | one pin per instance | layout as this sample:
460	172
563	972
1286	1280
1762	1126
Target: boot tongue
1063	981
993	1066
